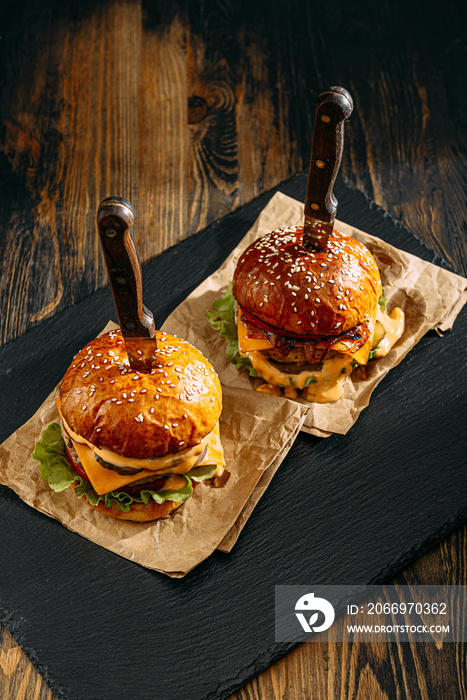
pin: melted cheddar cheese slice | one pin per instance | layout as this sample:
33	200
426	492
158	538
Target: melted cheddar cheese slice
104	480
247	344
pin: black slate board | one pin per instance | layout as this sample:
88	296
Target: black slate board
98	626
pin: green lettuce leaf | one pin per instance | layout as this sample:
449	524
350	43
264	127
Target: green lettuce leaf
56	470
54	467
223	320
205	471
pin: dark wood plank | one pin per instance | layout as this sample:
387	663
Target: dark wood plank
191	110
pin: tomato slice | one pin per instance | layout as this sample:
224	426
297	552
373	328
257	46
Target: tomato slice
77	467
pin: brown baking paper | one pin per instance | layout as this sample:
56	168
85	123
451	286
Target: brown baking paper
256	437
430	296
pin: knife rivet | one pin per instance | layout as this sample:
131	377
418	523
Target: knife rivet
121	280
325	118
315	207
130	326
320	163
110	232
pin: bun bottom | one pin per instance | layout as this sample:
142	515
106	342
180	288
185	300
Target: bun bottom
138	511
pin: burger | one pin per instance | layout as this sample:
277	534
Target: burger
304	319
134	445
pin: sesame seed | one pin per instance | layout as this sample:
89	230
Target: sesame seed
135	377
118	402
166	427
124	396
130	400
174	425
79	391
84	408
152	410
143	391
98	430
139	418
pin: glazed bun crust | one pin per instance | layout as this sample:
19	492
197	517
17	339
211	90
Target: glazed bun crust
304	292
138	414
138	511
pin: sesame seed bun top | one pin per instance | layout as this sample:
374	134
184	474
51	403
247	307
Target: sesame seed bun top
138	414
306	292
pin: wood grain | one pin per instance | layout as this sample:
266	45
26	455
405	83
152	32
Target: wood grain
19	680
191	110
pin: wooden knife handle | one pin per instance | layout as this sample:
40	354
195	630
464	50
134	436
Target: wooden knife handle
334	107
114	218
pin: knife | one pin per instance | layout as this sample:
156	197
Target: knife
334	106
114	217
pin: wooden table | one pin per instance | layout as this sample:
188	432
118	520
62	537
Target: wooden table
190	110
